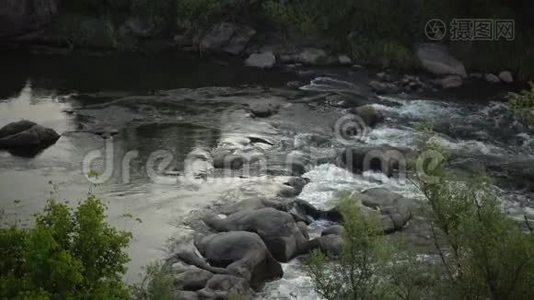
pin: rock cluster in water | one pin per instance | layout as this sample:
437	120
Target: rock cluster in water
240	247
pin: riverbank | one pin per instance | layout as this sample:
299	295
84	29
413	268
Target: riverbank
274	33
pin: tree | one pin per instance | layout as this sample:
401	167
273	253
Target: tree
70	253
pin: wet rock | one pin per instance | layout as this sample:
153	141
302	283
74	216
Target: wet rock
287	192
225	286
263	60
186	295
451	81
26	138
227	37
263	109
331	244
334	229
382	88
491	78
411	84
253	204
369	115
303	229
395	209
346	101
298	183
19	17
312	56
193	279
242	253
437	60
277	229
506	77
303	211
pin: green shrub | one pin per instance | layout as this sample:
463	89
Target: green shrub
69	254
487	256
199	14
522	104
357	273
160	14
157	284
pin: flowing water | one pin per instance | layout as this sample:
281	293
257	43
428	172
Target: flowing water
136	120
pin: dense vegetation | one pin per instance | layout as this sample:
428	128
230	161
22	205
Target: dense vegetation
522	105
381	32
68	254
483	254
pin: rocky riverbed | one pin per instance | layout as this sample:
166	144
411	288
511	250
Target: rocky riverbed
229	173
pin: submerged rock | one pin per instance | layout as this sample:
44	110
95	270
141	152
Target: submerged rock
26	138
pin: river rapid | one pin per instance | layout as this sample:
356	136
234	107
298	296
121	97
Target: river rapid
136	121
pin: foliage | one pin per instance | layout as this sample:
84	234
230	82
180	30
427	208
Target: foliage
70	253
522	104
487	256
156	284
356	273
197	14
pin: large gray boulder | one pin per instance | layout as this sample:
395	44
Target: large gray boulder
227	37
437	60
243	254
277	229
25	138
19	17
264	60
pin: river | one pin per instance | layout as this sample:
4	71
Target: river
124	116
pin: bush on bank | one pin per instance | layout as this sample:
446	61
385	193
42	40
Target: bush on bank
68	254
